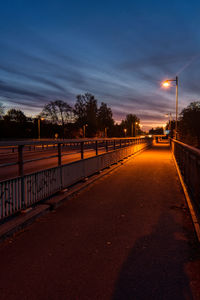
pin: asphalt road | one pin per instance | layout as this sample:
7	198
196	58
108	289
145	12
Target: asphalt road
127	236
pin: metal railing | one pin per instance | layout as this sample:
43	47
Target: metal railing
60	149
22	192
188	160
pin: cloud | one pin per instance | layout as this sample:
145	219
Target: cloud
36	78
6	89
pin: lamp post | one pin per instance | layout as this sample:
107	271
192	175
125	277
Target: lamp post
105	132
166	83
39	125
125	130
84	126
136	123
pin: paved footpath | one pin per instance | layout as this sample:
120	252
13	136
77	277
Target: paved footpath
127	236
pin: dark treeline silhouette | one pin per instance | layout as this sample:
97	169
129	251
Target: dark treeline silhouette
87	119
189	124
157	130
59	119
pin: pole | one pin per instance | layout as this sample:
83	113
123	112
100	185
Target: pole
106	146
59	155
132	129
96	146
176	125
20	161
82	150
114	145
84	131
39	128
21	173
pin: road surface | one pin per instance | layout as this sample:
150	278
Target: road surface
127	236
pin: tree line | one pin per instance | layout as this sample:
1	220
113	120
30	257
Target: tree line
188	125
87	119
59	119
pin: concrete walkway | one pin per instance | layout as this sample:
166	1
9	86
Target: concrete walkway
127	236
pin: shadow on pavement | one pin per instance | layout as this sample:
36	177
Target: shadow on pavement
155	266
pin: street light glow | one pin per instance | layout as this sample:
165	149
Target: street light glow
166	84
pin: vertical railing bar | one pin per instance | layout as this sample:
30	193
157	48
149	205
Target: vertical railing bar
82	150
106	146
21	172
96	147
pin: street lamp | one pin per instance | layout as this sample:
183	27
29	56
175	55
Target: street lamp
84	129
125	130
39	125
166	83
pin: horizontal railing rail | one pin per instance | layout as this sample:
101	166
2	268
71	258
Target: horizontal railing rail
188	160
24	191
81	145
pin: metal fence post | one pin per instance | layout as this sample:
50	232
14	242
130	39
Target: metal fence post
20	160
96	146
21	173
59	155
114	144
82	150
106	146
60	165
120	143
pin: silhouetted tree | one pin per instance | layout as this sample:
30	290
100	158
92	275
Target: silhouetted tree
15	115
85	110
14	124
131	123
189	124
104	117
58	112
157	130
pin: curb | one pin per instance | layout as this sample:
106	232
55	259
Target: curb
188	200
9	228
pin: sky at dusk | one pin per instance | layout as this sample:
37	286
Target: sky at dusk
120	51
